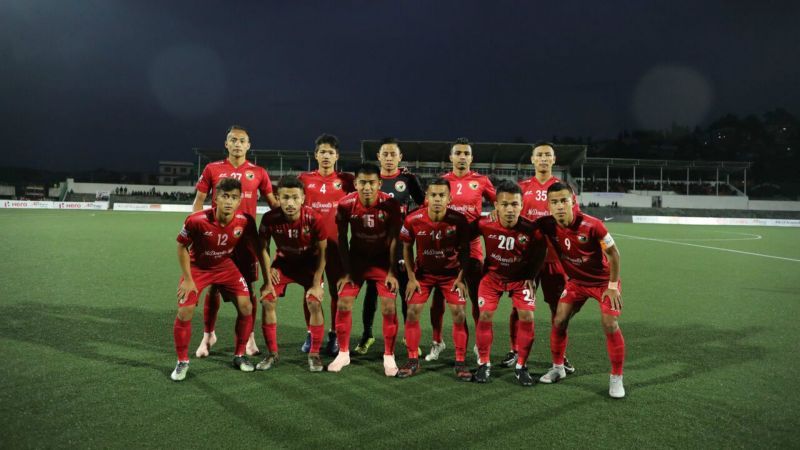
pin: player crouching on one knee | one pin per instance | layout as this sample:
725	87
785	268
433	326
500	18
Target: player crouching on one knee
300	241
205	245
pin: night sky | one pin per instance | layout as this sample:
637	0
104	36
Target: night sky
122	84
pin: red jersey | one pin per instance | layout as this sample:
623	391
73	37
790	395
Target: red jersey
211	244
323	194
295	242
439	244
534	203
254	180
371	228
467	193
580	247
510	251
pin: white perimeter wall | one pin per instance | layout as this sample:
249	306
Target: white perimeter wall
93	188
645	200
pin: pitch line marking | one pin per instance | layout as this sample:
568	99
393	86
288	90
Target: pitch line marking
749	237
706	247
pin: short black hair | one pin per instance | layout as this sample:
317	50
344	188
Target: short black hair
329	139
559	186
237	127
390	140
368	169
543	144
460	141
227	185
290	182
509	187
439	182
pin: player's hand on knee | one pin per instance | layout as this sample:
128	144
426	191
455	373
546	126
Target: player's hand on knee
460	287
187	286
411	288
267	289
615	299
342	282
315	292
391	283
275	276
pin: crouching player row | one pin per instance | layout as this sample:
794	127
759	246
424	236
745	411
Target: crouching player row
205	245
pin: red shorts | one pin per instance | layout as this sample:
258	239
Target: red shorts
246	261
226	278
306	280
552	279
377	274
445	285
491	289
577	294
476	249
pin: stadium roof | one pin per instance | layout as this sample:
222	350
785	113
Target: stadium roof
483	152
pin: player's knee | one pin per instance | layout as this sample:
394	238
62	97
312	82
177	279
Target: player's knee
486	316
387	307
560	322
185	313
525	316
268	305
459	316
314	306
345	304
610	324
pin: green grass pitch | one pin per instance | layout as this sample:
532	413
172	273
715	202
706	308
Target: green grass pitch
87	301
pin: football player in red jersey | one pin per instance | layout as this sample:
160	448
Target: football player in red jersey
373	219
467	191
534	205
205	245
514	254
591	261
324	188
300	241
442	238
254	180
404	186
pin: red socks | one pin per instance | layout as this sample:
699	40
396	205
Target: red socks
344	323
317	333
524	341
558	344
413	335
460	337
244	326
484	336
615	344
182	333
210	312
270	331
390	333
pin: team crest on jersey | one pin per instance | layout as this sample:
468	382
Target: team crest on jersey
582	239
563	293
337	184
450	231
400	186
249	175
522	238
381	216
237	232
474	185
306	230
481	301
